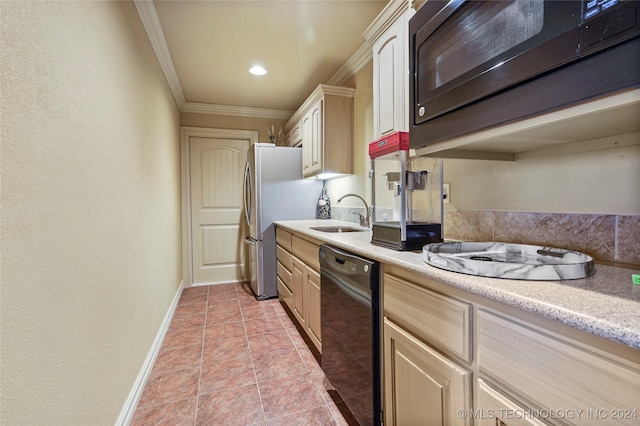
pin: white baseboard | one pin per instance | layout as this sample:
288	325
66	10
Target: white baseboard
138	386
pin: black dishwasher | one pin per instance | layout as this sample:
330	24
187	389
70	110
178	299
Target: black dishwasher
350	326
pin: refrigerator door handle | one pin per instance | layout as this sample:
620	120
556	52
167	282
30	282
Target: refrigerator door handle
247	193
250	241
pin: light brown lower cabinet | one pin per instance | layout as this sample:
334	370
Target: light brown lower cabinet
306	300
523	370
298	273
312	295
299	276
495	409
563	381
422	386
283	267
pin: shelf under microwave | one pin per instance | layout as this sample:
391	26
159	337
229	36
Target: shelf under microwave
607	122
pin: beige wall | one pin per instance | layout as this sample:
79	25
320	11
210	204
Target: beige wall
359	182
237	123
603	182
598	182
90	225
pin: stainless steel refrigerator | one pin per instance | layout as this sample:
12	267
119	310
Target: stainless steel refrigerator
273	190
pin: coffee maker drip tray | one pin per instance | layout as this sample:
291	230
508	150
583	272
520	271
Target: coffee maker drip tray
418	234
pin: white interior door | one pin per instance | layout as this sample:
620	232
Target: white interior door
217	235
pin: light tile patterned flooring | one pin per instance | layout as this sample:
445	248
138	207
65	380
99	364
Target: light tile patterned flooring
228	359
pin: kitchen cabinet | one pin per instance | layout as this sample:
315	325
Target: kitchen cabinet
326	132
467	342
298	276
306	300
306	287
444	345
298	265
499	409
388	34
293	136
284	267
555	373
311	129
423	385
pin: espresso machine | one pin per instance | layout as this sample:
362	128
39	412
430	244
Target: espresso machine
406	195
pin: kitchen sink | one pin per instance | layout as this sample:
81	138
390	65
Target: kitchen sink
508	260
336	229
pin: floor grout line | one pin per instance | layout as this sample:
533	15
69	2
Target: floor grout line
204	333
250	313
253	365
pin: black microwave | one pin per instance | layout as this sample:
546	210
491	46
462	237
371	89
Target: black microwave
480	64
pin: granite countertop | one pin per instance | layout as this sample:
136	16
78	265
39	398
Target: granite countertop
606	304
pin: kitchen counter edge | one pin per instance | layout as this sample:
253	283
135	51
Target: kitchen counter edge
606	305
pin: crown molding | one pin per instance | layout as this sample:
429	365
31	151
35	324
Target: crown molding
391	12
151	23
238	111
355	63
149	17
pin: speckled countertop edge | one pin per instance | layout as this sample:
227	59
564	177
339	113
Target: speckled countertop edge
606	304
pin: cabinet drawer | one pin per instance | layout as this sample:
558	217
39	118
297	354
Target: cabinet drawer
555	374
306	251
283	257
283	238
284	274
441	320
499	410
285	294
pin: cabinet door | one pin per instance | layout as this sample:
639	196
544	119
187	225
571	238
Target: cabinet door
296	135
390	80
312	296
307	150
421	386
317	137
386	81
312	139
496	409
298	272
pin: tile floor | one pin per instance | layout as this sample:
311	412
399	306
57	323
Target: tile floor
228	359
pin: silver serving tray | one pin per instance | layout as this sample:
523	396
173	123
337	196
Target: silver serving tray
507	260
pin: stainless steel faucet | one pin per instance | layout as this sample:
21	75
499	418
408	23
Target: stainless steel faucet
364	220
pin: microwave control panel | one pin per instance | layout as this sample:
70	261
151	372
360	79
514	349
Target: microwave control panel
606	22
594	8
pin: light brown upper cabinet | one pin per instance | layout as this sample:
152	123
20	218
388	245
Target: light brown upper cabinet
388	36
325	120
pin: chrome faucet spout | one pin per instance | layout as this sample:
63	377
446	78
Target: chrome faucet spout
364	220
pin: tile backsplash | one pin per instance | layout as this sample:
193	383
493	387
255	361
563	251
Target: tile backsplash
606	238
347	214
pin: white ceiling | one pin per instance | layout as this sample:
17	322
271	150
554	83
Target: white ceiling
207	47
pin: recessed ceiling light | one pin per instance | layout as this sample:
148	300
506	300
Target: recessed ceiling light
257	70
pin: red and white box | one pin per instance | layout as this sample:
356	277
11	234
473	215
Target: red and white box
398	141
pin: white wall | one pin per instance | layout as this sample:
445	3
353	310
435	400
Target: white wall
90	197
